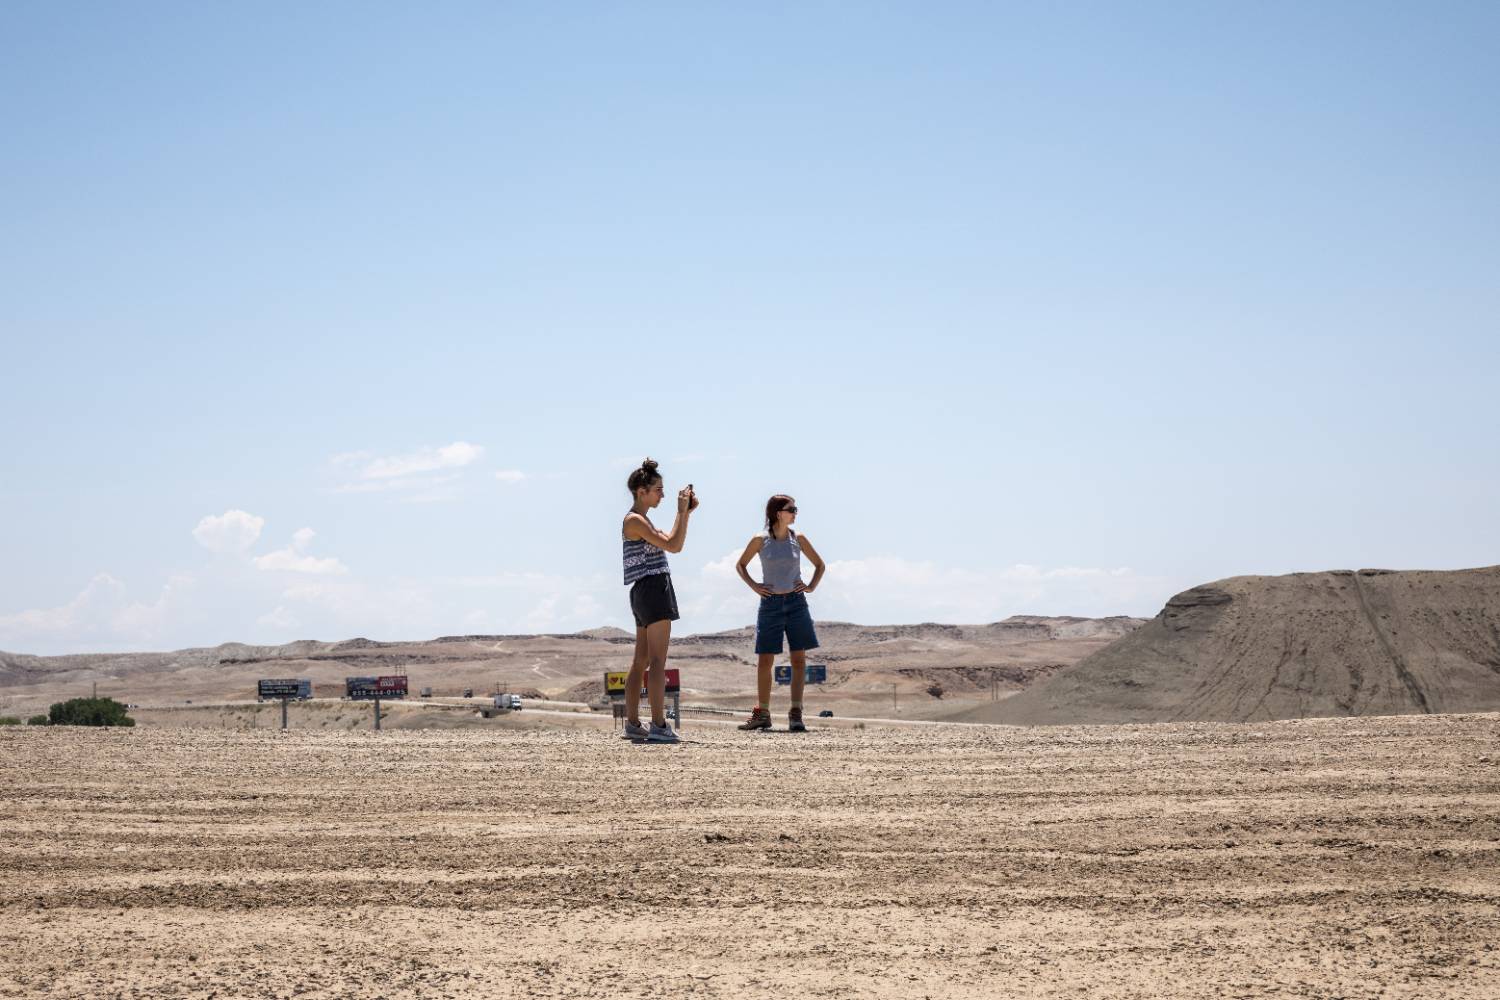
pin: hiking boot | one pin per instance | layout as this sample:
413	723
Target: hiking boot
635	730
794	722
661	734
760	718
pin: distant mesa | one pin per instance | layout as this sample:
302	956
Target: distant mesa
606	632
1340	643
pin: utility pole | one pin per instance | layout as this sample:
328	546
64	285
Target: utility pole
894	708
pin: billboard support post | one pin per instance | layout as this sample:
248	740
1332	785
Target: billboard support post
375	689
282	689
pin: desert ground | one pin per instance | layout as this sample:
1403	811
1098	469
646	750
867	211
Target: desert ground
1316	858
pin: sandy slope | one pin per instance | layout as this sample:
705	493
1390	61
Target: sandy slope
1372	642
1354	858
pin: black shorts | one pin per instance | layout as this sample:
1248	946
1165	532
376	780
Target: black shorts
652	599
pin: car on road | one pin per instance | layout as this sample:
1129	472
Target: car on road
827	713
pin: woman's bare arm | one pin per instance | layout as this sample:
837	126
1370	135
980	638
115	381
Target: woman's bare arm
750	552
818	565
638	528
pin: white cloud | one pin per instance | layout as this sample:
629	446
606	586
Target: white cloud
231	531
511	475
881	590
449	456
102	596
294	558
428	475
278	618
396	485
289	561
226	599
100	618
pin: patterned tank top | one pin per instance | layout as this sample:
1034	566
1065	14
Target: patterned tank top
642	559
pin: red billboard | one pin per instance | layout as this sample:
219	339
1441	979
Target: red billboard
614	682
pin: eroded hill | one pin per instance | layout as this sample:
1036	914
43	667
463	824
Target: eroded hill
1340	643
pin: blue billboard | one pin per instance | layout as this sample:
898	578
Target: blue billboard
817	673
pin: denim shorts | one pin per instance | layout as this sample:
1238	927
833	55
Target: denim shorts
784	614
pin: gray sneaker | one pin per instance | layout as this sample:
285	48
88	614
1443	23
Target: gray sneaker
661	734
635	730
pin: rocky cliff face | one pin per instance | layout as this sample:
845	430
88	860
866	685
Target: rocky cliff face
1366	642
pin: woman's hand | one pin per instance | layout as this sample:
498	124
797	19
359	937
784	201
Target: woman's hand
692	501
685	501
803	588
760	589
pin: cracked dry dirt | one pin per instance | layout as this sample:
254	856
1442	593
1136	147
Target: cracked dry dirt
1353	858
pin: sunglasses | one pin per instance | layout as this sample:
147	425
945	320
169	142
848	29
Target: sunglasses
790	510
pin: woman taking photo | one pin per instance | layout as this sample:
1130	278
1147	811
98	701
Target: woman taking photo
652	600
783	607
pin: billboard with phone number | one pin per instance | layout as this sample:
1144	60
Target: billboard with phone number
370	688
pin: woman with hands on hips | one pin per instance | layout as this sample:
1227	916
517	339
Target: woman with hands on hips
783	607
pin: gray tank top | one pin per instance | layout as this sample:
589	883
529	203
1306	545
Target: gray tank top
781	562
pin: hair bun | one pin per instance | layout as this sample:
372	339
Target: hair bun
649	465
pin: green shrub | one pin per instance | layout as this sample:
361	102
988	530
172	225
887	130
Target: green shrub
89	712
9	720
39	720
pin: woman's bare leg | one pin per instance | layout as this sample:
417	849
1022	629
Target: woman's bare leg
658	637
636	679
799	676
763	666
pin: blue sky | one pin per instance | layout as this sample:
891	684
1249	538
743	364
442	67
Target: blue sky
348	319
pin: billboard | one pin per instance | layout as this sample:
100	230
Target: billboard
367	688
284	687
817	673
359	687
614	682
